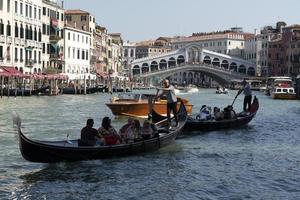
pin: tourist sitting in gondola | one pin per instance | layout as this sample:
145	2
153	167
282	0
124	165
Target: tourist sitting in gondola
229	113
218	114
127	132
90	136
148	130
205	113
109	134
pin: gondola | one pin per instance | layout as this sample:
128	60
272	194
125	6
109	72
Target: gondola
24	92
69	150
91	90
195	125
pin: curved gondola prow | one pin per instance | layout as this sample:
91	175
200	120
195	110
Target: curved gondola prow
254	106
16	120
181	114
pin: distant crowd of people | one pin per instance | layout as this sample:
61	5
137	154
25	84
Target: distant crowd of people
107	134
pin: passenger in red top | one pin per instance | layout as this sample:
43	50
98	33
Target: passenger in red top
109	134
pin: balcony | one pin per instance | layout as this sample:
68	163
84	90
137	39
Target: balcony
9	40
54	38
17	41
2	39
22	42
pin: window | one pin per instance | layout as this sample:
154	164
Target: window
69	35
44	11
8	29
83	18
39	14
30	11
78	54
78	38
1	48
73	53
21	31
21	8
34	14
21	55
87	40
73	36
16	30
40	35
39	57
44	48
57	15
48	12
82	55
87	55
1	8
44	29
62	17
8	5
26	10
16	7
69	52
82	39
16	54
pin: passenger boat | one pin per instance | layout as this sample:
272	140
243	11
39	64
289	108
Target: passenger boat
283	89
69	150
271	83
195	125
137	105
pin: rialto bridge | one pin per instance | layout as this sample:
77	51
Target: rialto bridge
190	64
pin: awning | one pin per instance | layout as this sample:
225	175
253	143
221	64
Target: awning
10	72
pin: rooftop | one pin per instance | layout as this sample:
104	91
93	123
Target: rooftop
76	12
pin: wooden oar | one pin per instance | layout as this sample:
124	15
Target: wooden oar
235	98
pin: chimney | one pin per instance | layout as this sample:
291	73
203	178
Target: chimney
62	4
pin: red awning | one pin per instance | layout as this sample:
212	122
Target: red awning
10	71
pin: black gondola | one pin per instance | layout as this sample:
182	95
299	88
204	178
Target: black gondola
195	125
91	90
58	151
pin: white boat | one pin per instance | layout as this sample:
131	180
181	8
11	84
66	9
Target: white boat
283	89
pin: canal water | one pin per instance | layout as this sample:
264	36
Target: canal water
260	161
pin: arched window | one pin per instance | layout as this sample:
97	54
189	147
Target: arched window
26	33
30	33
1	27
40	35
16	30
8	29
35	34
21	31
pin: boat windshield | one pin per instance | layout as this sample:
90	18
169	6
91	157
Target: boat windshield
283	82
129	96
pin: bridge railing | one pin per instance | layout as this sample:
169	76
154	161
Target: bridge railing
218	68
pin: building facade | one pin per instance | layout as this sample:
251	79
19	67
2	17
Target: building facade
77	50
20	35
231	42
52	37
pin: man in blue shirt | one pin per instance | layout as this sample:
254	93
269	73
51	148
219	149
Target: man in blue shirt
248	95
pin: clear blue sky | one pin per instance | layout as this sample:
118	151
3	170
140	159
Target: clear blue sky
148	19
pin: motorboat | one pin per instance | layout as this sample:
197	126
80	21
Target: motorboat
283	89
137	105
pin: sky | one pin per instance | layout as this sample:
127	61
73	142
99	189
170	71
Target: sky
139	20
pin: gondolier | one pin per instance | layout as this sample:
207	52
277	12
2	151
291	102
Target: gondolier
169	91
248	95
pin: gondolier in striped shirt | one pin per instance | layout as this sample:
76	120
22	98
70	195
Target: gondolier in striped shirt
169	91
